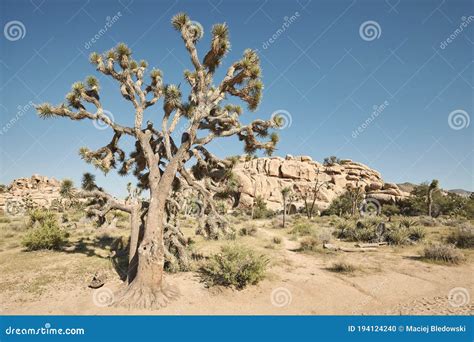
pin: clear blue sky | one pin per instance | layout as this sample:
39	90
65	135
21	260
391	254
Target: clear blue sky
319	69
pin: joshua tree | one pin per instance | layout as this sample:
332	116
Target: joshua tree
431	189
285	192
312	195
355	193
160	152
67	193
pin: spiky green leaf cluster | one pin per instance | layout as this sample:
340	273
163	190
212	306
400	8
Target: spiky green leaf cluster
45	110
172	96
123	50
179	21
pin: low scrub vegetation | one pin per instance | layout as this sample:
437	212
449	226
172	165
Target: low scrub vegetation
309	244
4	219
248	231
41	216
416	233
462	237
44	231
443	253
375	230
302	229
260	209
235	266
342	267
277	240
46	236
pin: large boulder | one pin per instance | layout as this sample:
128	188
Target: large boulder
266	177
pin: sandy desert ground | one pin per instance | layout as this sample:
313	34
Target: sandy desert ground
389	280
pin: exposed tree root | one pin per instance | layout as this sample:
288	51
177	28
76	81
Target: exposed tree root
140	296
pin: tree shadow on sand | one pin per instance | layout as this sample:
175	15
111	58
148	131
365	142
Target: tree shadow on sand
106	247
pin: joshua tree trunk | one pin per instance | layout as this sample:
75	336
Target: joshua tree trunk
148	289
431	189
136	228
284	211
430	202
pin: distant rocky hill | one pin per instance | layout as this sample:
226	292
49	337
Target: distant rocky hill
266	177
40	190
460	192
408	187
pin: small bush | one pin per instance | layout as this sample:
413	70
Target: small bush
365	234
342	267
248	231
427	221
4	219
235	266
277	240
302	229
407	222
443	253
260	209
462	237
309	244
390	210
325	236
46	236
41	216
344	230
398	236
416	233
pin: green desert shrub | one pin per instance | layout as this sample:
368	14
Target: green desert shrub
302	229
41	216
248	231
363	230
416	233
462	237
407	222
345	230
366	235
443	253
4	219
277	240
235	266
48	235
340	206
342	267
260	209
390	210
398	236
427	221
309	244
